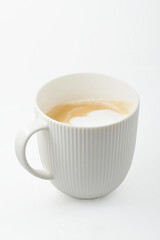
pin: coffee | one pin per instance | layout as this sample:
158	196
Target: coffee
89	112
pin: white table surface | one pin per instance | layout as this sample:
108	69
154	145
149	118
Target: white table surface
40	40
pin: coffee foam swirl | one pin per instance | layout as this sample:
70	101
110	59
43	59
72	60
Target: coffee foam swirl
90	112
96	118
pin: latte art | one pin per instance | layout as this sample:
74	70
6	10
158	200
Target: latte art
96	118
90	112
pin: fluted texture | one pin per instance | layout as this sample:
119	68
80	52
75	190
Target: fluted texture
88	162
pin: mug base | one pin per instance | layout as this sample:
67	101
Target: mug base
85	197
90	198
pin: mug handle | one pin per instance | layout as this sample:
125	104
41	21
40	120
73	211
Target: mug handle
21	141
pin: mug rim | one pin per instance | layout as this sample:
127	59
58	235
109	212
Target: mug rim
86	127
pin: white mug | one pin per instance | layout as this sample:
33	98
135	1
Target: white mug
83	162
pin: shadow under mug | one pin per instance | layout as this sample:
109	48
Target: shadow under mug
83	162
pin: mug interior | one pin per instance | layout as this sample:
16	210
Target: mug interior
84	86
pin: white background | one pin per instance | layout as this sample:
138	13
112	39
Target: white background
40	40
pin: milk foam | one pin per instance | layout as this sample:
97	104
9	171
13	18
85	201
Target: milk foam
97	118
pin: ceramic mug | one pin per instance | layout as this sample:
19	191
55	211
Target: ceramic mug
83	162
